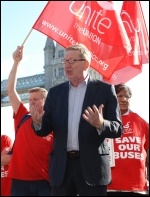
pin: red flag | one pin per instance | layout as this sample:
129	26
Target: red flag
131	65
93	23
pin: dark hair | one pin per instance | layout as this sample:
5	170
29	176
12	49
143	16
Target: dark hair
120	87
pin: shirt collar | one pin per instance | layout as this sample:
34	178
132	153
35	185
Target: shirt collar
83	82
126	113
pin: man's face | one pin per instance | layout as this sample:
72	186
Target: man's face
124	101
76	70
36	99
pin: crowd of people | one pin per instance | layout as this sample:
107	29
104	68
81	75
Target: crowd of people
60	149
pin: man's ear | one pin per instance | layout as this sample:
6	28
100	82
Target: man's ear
86	65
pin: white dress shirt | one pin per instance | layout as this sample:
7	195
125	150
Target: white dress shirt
76	97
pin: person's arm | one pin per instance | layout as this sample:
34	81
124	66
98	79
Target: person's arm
12	80
5	158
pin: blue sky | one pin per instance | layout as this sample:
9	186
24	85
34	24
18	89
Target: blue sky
17	19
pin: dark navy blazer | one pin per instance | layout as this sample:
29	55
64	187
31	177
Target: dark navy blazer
94	152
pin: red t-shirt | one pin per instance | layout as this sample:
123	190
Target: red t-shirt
130	155
30	158
5	181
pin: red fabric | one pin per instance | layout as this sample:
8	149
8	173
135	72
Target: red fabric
30	157
131	65
130	155
93	23
5	181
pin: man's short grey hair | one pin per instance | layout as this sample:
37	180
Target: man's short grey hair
39	89
84	51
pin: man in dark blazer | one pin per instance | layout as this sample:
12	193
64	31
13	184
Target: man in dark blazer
81	112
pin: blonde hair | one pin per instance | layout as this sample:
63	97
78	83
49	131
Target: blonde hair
39	89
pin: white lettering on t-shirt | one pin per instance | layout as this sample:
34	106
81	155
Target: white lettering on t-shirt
129	147
3	172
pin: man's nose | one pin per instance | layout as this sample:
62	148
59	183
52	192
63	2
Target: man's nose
124	97
67	66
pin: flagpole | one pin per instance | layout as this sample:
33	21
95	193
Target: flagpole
26	37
